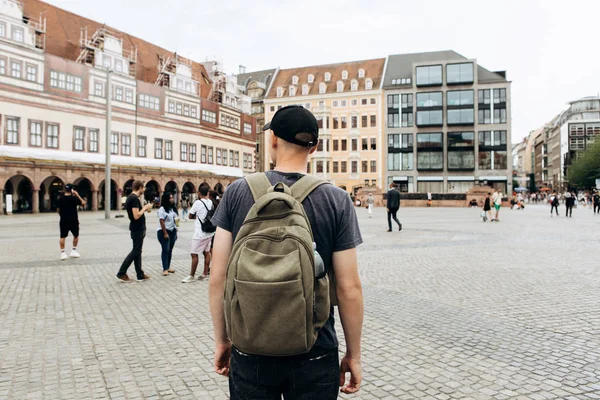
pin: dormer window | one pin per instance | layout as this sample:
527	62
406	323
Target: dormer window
327	76
344	74
322	88
368	84
294	80
340	86
311	78
304	90
361	73
292	91
279	92
354	85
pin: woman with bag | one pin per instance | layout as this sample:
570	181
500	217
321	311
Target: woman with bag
167	230
487	208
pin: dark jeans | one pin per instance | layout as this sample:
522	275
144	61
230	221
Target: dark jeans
569	211
552	207
297	378
167	247
392	214
596	208
135	255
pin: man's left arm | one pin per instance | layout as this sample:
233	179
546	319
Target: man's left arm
220	258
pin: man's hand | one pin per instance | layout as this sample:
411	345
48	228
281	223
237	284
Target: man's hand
354	368
166	235
222	357
147	207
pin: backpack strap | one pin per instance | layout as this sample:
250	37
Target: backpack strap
259	185
305	186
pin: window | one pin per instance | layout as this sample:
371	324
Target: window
354	121
485	117
335	123
141	146
78	138
344	74
340	86
499	96
373	166
31	73
294	80
178	108
307	106
344	145
150	102
210	155
430	153
62	81
400	152
209	116
365	167
15	69
336	167
500	116
304	90
203	154
492	139
429	100
219	158
194	111
17	34
344	167
35	133
365	144
311	78
171	107
354	85
183	151
364	121
372	101
118	96
336	146
344	103
106	61
429	75
52	136
98	86
158	148
364	102
186	110
492	150
327	76
430	118
192	152
292	91
354	102
460	98
459	73
77	85
484	96
461	151
224	159
344	122
2	29
322	88
354	167
245	165
461	117
279	94
247	128
361	73
319	167
231	158
94	136
2	66
334	103
354	144
118	65
373	121
368	85
114	143
126	144
373	143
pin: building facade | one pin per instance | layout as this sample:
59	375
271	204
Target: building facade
447	124
54	95
346	99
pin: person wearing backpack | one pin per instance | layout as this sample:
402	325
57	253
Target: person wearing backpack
202	211
553	204
285	254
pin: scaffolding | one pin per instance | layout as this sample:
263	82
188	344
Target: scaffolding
90	44
37	25
219	79
167	66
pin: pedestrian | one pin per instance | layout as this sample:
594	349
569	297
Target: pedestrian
167	230
429	197
137	227
487	207
268	353
185	205
569	203
370	204
202	211
596	199
497	200
553	204
393	205
213	196
69	219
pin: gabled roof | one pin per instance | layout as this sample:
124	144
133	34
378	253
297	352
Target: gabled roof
63	30
373	71
401	66
263	76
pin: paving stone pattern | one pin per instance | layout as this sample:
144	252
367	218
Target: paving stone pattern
454	309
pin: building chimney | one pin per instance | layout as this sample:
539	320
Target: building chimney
242	69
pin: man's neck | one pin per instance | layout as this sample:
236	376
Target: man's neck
299	168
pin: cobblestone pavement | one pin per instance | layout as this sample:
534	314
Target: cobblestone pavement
455	309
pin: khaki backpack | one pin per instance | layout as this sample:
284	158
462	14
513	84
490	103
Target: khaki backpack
274	304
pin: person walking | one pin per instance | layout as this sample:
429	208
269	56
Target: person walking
393	205
596	200
137	227
307	371
553	204
69	220
429	199
185	205
202	211
487	208
167	230
370	204
497	200
569	203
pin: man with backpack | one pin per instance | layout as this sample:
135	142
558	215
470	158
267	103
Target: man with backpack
285	254
202	211
553	204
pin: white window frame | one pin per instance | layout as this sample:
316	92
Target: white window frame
13	125
304	90
327	76
361	73
354	85
279	92
98	88
344	74
369	84
94	140
292	90
17	34
339	86
36	133
322	88
294	80
52	132
31	72
311	78
16	73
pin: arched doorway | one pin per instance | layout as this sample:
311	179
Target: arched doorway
20	188
171	187
113	195
219	189
85	189
50	190
152	191
188	191
128	187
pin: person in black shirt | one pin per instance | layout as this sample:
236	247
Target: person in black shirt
393	205
137	226
69	221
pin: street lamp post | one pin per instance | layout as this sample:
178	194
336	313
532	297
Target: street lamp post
107	179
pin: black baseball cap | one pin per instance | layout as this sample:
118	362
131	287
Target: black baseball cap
69	187
290	121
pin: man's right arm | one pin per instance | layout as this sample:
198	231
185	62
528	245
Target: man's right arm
137	213
351	309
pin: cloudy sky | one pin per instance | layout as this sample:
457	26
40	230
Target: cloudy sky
549	47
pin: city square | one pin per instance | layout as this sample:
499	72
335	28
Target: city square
454	309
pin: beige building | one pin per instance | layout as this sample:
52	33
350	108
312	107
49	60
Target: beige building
53	91
346	99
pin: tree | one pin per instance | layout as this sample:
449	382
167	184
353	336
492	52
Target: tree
586	168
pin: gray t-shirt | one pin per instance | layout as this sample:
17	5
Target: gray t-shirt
332	218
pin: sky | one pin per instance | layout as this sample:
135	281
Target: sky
549	48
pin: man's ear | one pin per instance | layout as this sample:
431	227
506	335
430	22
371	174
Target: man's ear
273	140
314	148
